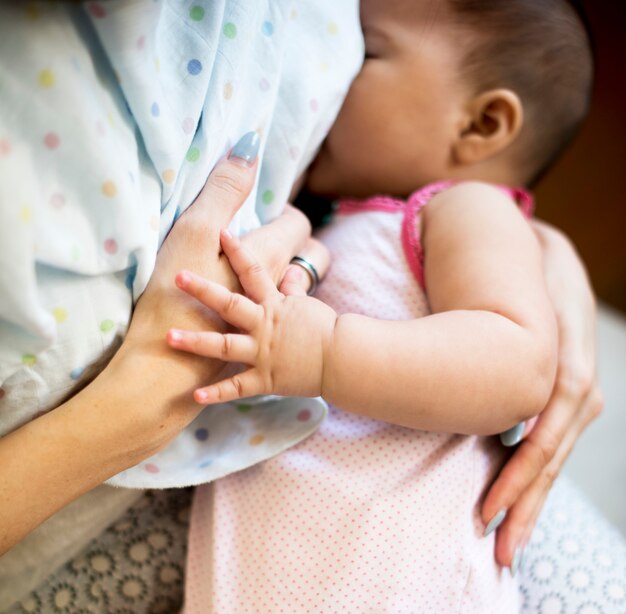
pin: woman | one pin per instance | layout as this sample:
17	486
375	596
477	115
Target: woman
141	400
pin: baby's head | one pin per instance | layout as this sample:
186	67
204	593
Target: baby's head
491	90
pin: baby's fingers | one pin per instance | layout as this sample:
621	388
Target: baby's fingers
228	347
246	384
255	280
231	307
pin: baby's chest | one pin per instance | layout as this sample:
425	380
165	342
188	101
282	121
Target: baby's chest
369	273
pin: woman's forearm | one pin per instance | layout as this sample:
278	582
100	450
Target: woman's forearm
136	405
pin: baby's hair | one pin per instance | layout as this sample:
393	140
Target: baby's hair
543	51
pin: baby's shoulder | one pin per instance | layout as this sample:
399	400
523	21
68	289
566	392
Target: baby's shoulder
470	191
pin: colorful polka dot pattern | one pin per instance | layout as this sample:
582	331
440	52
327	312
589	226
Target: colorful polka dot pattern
227	438
111	208
194	67
196	13
193	154
230	30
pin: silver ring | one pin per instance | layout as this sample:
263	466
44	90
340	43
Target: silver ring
307	265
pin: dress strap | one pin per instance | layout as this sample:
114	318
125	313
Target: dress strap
373	203
413	206
411	226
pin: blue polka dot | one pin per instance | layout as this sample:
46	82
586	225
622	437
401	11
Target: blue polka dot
76	373
194	67
155	110
202	434
205	463
267	28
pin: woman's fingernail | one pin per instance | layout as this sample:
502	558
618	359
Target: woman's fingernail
175	335
226	233
246	148
495	522
513	436
516	560
522	559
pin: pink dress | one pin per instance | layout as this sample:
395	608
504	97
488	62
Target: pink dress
363	516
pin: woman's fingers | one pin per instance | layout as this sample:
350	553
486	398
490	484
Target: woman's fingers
276	243
297	280
526	507
255	280
527	462
246	384
230	306
227	347
225	190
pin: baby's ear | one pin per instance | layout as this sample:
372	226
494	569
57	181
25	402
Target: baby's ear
492	122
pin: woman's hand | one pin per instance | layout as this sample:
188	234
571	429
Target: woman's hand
142	399
516	498
193	244
281	337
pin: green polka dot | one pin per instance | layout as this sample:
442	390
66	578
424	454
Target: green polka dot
193	154
29	359
230	30
74	253
196	13
107	326
268	197
244	408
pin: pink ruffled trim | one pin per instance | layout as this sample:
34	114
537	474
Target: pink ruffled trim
412	207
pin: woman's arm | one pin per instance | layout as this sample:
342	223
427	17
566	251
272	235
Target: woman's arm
483	362
525	481
140	401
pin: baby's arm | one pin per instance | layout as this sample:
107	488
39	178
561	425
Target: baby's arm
482	362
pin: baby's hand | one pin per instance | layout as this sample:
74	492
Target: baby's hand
283	339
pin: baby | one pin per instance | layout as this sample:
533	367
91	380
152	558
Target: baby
433	320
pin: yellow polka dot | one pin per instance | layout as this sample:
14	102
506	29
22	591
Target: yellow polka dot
168	175
228	91
157	64
260	131
29	360
60	315
109	188
26	214
255	440
294	14
110	118
324	67
32	11
46	78
154	222
118	77
332	28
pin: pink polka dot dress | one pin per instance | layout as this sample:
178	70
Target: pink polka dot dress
363	516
